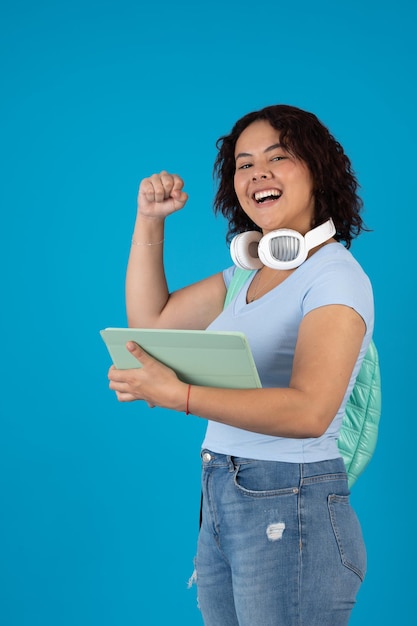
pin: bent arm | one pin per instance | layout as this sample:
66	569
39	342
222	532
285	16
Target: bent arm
149	304
328	345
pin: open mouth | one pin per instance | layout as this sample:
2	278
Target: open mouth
267	195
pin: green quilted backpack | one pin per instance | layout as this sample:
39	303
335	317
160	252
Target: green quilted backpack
359	430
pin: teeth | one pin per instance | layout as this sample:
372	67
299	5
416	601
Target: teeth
261	195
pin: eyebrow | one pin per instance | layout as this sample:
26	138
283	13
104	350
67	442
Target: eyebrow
248	154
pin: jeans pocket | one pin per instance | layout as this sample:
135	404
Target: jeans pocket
261	480
348	534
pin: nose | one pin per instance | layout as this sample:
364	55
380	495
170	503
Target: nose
260	174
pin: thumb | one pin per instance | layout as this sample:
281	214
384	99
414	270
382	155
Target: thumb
180	197
138	352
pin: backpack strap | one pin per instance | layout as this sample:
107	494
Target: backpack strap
239	278
359	430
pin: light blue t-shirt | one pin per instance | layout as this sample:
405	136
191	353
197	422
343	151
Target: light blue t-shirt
271	323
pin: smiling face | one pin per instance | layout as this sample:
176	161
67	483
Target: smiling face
274	188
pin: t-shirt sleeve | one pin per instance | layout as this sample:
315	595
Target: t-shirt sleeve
341	283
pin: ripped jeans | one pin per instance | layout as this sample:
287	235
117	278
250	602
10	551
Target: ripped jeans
279	544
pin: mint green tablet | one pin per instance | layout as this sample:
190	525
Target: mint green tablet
200	357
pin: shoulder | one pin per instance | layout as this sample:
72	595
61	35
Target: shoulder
334	276
334	261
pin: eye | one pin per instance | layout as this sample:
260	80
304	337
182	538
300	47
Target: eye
244	166
278	157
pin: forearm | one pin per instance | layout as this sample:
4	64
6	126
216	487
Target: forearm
146	285
277	412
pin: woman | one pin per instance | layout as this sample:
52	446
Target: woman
279	542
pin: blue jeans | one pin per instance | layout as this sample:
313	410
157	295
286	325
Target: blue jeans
279	544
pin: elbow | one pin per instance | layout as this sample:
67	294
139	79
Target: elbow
142	321
307	427
310	414
132	322
318	423
314	423
316	432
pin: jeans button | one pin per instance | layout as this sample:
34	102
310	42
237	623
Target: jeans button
206	457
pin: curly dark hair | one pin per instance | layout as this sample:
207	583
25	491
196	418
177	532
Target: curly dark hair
303	135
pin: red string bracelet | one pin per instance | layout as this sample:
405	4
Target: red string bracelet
187	405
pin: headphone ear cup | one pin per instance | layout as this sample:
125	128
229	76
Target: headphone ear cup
244	250
282	249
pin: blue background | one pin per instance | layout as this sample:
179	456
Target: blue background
99	501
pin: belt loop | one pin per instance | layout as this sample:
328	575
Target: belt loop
231	463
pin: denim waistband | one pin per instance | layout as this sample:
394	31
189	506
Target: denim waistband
301	470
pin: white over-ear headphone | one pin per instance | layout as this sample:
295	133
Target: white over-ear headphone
282	249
